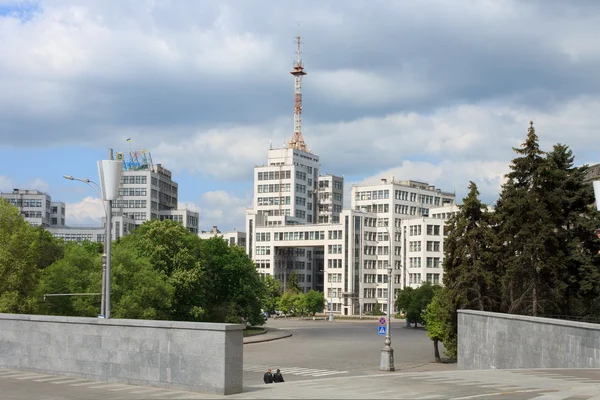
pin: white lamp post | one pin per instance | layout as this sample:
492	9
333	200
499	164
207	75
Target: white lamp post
97	189
387	353
110	178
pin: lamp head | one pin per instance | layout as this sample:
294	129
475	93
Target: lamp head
69	177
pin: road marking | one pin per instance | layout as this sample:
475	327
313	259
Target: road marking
293	370
55	378
70	381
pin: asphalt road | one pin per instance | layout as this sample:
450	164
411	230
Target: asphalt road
323	349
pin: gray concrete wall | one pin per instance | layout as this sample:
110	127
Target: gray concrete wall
503	341
202	357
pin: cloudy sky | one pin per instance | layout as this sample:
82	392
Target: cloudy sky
431	90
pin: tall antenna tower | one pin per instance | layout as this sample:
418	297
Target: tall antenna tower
297	141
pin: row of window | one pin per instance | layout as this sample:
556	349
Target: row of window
137	216
263	264
416	278
372	195
274	175
130	204
274	188
31	214
371	293
273	201
25	202
132	192
134	179
334	263
334	249
311	235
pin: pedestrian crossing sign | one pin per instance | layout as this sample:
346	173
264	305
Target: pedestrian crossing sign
381	330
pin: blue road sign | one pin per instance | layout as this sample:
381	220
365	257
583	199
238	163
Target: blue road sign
382	330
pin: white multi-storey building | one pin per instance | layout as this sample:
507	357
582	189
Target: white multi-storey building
37	207
234	237
148	192
330	199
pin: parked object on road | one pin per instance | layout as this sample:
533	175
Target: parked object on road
277	377
268	378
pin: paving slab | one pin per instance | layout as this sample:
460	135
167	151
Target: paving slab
555	384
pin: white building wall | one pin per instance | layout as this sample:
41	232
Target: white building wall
33	205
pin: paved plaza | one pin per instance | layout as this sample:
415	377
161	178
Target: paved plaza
320	349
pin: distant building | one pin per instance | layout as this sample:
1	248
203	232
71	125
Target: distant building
234	237
37	207
593	173
146	192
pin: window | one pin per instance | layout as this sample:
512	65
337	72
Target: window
433	230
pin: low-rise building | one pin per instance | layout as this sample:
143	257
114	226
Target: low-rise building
233	237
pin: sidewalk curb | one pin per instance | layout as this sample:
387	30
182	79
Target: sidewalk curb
284	334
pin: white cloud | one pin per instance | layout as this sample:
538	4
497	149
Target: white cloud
6	184
88	212
37	184
223	209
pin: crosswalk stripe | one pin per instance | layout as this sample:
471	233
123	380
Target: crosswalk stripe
31	376
11	373
54	378
84	383
69	381
293	370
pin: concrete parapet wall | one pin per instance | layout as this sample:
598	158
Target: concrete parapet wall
504	341
202	357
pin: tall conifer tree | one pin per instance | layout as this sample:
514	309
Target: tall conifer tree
531	252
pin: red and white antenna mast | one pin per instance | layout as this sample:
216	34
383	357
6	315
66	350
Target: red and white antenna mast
297	141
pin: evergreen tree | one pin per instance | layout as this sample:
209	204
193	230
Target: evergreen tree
470	270
531	252
570	202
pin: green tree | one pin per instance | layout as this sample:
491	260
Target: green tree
175	252
570	202
138	291
48	248
435	324
286	302
471	273
272	294
300	303
315	302
79	271
231	283
19	255
532	254
415	301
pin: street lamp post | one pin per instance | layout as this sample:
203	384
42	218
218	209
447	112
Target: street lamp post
387	353
109	172
97	189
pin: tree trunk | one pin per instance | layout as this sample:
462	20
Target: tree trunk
436	351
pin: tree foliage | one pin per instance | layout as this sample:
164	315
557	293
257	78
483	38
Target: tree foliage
272	294
414	302
20	252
